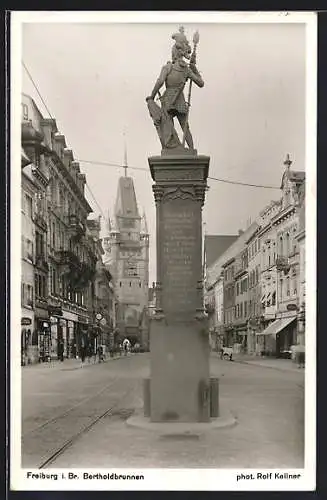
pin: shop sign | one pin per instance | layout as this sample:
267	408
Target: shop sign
82	319
103	321
55	310
98	316
26	321
45	324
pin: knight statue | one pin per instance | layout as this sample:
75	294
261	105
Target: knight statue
175	75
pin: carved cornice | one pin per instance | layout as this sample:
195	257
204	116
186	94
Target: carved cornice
158	192
200	191
179	193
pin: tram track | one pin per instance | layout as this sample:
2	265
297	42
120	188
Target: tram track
42	445
69	442
69	410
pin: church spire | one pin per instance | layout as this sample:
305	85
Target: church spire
288	162
125	155
108	223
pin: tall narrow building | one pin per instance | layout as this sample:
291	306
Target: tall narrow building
126	246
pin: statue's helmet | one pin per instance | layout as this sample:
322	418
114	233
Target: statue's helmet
182	46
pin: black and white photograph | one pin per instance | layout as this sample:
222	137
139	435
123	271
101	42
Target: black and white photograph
163	249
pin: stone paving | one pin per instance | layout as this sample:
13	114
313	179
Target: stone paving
268	406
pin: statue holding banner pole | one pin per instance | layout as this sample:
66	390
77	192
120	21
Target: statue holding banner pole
175	75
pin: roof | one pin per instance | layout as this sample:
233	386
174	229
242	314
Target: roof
294	176
216	245
232	251
126	204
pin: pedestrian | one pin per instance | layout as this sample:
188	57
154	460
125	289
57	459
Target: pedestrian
89	353
300	354
83	352
61	350
100	353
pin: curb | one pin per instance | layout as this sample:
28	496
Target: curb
281	369
55	364
185	429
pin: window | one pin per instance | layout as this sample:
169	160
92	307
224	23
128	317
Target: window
25	111
241	309
28	206
44	286
273	299
245	308
281	294
287	244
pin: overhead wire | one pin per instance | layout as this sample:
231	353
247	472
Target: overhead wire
227	181
37	90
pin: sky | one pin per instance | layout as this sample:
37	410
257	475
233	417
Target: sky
94	78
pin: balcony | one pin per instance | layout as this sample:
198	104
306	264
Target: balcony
282	264
40	221
76	226
41	263
68	258
79	273
209	308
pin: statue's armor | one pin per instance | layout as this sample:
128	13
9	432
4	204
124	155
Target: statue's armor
173	97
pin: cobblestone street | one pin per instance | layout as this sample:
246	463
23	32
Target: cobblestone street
267	403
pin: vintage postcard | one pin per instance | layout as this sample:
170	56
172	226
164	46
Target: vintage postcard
163	215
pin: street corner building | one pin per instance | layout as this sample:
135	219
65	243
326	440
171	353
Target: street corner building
65	286
255	281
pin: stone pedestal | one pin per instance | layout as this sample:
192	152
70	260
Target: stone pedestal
179	342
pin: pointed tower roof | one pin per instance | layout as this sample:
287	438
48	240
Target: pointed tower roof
144	225
126	205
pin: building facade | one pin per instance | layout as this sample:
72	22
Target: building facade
63	247
33	259
264	276
254	290
300	238
280	268
126	256
241	284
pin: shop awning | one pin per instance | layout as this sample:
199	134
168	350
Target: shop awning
277	326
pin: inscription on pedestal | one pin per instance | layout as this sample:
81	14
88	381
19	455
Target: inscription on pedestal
179	258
